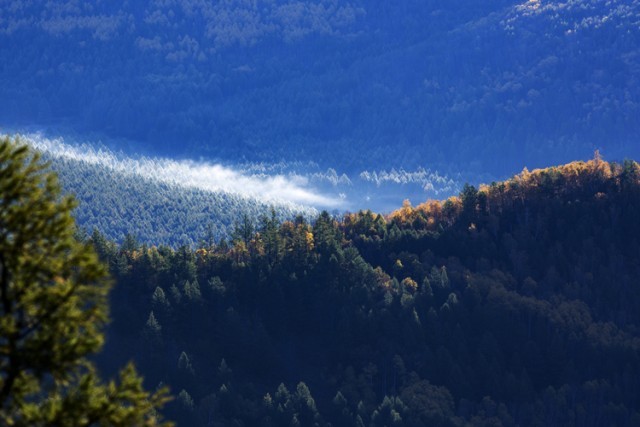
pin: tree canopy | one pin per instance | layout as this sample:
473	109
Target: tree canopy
512	304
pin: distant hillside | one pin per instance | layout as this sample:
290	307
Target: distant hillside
291	187
165	202
512	304
456	86
155	212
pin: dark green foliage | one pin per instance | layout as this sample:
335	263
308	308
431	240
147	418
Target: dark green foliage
53	309
514	304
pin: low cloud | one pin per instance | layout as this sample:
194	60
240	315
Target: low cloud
278	189
431	182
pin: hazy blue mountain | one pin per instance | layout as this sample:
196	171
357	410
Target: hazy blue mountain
456	85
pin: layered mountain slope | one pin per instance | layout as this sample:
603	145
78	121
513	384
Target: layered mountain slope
165	202
493	85
512	304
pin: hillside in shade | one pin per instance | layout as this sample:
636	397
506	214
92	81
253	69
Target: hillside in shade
514	303
455	86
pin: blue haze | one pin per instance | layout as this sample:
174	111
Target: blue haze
472	90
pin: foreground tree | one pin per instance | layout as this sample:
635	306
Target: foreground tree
53	307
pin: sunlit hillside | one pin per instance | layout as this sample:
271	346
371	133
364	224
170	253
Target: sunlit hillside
160	201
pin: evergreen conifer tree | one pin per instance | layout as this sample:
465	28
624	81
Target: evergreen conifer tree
53	307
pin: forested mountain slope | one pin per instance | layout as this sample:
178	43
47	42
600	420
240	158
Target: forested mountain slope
172	201
512	304
118	204
494	84
157	212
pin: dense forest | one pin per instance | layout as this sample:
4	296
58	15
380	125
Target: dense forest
168	201
153	211
422	83
513	303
